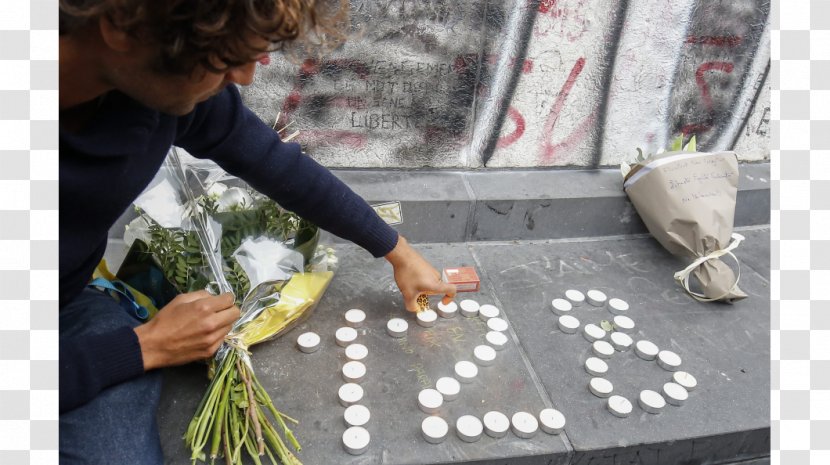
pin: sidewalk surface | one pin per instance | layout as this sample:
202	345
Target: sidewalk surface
726	347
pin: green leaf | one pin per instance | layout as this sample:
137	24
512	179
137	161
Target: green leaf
677	143
606	325
692	145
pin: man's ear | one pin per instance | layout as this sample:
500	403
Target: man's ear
115	38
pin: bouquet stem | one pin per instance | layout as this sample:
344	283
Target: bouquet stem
235	413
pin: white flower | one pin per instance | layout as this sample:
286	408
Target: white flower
234	198
216	190
137	229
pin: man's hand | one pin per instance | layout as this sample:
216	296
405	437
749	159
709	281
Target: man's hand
191	327
415	276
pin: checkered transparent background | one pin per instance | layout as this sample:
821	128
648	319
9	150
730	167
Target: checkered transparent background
28	232
800	372
801	233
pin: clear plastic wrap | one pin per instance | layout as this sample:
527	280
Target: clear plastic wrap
205	229
199	228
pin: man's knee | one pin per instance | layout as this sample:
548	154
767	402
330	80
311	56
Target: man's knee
94	312
120	423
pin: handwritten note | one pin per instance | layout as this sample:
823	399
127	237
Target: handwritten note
699	178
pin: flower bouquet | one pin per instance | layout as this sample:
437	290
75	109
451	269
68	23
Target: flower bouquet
198	228
687	201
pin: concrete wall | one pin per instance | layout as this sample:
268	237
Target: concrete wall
528	83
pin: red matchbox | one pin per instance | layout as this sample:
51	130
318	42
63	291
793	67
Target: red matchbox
465	278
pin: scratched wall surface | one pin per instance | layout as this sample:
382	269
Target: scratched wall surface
527	83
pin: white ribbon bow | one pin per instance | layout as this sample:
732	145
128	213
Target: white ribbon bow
682	276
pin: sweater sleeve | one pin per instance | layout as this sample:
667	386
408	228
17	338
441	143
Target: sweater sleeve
91	363
224	130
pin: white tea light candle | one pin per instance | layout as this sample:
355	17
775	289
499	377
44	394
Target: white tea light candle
552	421
668	360
497	339
685	379
600	387
308	342
575	297
596	367
651	401
430	400
356	415
353	372
617	306
466	371
356	352
621	341
593	332
603	349
568	324
675	394
426	318
623	323
468	428
448	387
355	317
484	355
497	324
469	308
397	327
356	440
596	298
350	394
619	406
434	429
496	424
345	336
646	350
487	311
447	311
561	306
524	425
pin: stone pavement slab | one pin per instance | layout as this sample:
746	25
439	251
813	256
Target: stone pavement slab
305	386
725	347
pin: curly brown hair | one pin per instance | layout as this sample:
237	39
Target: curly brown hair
190	33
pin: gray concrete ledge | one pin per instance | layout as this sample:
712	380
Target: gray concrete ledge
469	206
494	205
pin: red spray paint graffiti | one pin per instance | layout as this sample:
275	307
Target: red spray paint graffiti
570	21
308	70
549	149
706	95
547	6
519	122
700	75
717	41
462	63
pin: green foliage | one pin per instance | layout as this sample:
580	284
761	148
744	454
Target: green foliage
606	325
179	253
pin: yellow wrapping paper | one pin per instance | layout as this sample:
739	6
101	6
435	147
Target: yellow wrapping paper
298	298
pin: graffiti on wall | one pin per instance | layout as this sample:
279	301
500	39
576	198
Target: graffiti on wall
479	83
714	64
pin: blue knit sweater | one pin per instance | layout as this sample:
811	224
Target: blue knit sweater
106	165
